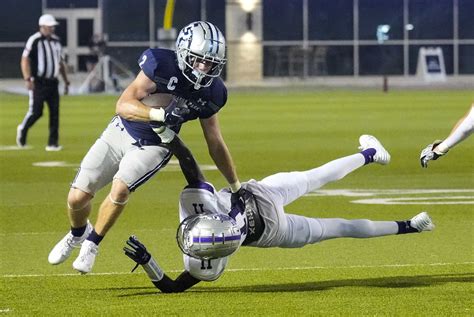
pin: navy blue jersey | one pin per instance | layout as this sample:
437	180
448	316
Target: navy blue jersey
160	65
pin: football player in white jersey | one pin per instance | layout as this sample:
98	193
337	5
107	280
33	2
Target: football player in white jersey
211	229
461	130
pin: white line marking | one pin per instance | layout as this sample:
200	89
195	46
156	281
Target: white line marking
377	192
172	166
5	310
417	201
257	269
14	148
63	232
409	196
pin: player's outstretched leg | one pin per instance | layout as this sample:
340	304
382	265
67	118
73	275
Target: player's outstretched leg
288	187
74	239
301	230
369	143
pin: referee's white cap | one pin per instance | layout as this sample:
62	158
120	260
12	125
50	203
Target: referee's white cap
47	20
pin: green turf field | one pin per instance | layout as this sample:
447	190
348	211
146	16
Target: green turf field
419	274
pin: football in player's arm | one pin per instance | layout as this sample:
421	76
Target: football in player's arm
211	229
187	85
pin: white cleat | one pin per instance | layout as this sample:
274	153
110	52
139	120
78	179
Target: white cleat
422	222
63	249
85	260
19	142
369	141
53	148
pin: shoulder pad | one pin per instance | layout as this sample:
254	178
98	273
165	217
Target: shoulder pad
219	92
148	63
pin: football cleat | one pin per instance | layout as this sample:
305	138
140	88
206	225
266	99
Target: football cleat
20	139
422	222
85	260
53	148
369	141
63	249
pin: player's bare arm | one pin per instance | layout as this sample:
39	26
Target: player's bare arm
218	149
129	105
26	71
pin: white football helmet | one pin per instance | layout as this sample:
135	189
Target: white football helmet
208	236
200	42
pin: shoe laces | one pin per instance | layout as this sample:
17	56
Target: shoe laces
91	249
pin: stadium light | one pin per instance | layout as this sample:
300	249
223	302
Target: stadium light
248	5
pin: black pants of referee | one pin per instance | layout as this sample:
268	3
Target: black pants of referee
44	91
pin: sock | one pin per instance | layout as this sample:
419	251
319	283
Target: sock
405	227
95	237
368	155
77	232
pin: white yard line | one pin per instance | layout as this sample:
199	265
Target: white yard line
62	232
296	268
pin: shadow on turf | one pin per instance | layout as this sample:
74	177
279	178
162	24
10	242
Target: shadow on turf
382	282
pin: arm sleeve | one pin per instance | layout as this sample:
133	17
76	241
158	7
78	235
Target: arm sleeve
182	283
164	283
464	129
188	164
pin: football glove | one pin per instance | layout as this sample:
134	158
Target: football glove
428	153
136	251
237	200
176	111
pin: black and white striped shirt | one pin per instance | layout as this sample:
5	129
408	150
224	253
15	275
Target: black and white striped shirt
45	55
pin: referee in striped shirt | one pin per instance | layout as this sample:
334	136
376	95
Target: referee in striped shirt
41	63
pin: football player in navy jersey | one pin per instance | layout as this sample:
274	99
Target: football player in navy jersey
211	230
182	85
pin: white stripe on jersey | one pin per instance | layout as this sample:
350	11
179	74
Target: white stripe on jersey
49	59
57	57
41	53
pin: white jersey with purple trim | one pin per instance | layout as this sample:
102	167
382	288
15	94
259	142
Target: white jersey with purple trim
204	198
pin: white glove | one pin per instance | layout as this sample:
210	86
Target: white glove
166	134
428	153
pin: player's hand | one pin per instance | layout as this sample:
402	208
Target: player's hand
176	111
166	134
429	153
30	85
237	200
66	88
136	251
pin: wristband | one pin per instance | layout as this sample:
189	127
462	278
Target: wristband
441	149
235	186
157	114
167	135
154	272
